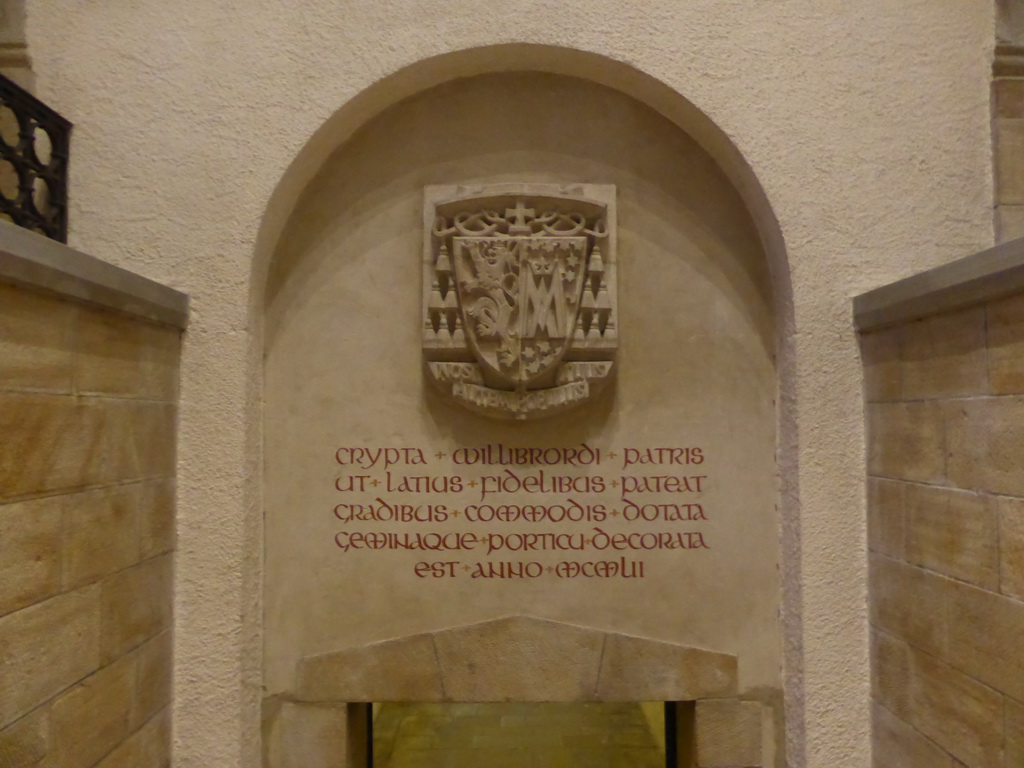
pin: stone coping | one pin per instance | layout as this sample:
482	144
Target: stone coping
980	277
28	259
517	658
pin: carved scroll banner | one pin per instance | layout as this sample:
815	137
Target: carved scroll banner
519	295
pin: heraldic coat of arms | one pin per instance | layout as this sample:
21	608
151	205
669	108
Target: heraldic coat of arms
519	295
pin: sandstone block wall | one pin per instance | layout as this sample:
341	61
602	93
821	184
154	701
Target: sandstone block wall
87	464
945	410
1008	149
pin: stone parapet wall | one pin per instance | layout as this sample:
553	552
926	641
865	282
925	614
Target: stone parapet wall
945	410
87	465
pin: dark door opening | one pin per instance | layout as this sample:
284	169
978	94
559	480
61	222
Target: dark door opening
522	734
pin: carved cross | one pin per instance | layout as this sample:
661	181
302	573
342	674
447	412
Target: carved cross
518	216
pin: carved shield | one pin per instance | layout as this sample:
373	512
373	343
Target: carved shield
519	298
519	295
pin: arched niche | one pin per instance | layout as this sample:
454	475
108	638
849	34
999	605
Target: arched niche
517	57
703	286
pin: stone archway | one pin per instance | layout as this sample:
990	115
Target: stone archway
516	658
314	713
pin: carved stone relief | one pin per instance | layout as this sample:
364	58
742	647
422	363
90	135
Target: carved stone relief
519	295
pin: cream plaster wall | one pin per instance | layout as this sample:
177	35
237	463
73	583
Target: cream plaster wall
696	368
866	123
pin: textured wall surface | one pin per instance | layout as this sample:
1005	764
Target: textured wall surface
867	125
946	538
1008	135
695	368
87	418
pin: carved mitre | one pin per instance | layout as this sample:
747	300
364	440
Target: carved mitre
519	295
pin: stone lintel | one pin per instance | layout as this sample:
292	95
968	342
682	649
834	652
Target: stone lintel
517	658
637	669
975	279
30	260
405	669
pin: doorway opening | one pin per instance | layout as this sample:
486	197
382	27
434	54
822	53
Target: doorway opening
471	734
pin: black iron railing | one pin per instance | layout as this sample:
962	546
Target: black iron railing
34	144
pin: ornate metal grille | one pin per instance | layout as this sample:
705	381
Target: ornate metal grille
34	144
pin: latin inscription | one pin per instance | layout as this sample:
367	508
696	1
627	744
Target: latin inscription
497	512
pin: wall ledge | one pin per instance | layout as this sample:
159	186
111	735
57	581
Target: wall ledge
1008	61
33	261
980	277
